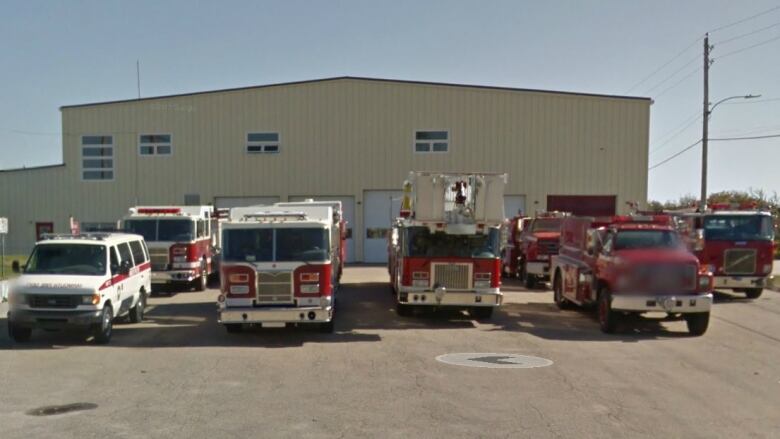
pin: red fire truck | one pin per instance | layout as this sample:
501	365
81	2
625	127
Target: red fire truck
281	264
630	265
182	241
444	249
531	246
736	243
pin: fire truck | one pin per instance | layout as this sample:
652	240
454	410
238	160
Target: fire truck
735	243
630	265
183	242
445	248
531	246
281	265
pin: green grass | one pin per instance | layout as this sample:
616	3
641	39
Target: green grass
7	265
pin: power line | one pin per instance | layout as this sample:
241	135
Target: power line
749	47
677	131
664	65
677	83
747	34
723	139
668	159
673	74
725	26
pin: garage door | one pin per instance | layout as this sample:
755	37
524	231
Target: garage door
514	204
348	204
379	210
228	202
585	205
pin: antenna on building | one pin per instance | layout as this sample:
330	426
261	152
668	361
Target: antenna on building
138	76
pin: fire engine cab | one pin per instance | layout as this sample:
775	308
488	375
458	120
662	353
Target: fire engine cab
735	243
445	248
281	264
531	247
182	241
630	265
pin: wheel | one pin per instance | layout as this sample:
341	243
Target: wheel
137	312
403	310
328	327
201	283
234	328
753	293
698	322
19	334
530	281
481	312
103	330
560	301
608	318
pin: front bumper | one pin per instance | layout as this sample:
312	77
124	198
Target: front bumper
275	315
173	276
539	269
54	319
741	281
683	303
491	297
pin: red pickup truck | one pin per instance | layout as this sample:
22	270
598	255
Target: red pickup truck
630	265
531	244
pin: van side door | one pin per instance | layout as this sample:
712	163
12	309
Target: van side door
141	273
128	284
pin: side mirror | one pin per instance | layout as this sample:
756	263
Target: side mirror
590	244
124	267
15	267
698	240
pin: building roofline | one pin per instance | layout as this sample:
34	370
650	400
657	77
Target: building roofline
33	168
360	78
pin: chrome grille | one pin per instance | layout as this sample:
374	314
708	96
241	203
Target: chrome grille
548	247
739	261
159	258
41	301
274	287
664	277
455	276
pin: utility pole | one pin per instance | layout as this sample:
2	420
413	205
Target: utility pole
705	123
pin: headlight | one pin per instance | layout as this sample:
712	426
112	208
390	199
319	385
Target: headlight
704	282
310	288
481	284
767	268
15	298
239	289
420	283
325	301
90	299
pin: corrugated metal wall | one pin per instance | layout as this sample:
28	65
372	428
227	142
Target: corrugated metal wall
338	137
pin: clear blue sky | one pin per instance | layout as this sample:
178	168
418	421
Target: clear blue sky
59	53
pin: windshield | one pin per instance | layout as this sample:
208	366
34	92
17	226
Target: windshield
645	239
547	225
422	243
293	244
738	228
77	259
176	230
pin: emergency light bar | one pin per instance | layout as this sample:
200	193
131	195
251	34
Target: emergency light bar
266	215
159	210
95	236
646	219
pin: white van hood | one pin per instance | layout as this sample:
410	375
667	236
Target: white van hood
57	284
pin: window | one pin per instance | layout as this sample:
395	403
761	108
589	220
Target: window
114	261
124	252
258	143
75	259
155	144
202	228
138	252
97	158
431	141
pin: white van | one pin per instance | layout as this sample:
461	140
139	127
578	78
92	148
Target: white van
80	281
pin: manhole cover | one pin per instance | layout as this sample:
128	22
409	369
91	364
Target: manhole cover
60	409
494	361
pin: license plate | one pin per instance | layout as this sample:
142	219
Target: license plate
274	325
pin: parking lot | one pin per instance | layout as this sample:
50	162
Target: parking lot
180	374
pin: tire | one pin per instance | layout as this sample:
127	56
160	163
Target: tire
698	322
481	312
202	282
233	328
753	293
19	334
560	301
530	281
403	310
103	330
608	319
137	312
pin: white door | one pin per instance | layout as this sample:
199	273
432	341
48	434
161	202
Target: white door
514	204
228	202
380	208
348	205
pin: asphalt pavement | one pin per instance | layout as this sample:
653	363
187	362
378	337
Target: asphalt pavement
181	375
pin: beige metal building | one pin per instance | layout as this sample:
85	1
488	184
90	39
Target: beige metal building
354	139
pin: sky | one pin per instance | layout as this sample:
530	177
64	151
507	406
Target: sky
58	53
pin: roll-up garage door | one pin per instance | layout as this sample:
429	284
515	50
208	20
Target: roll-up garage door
585	205
348	205
228	202
380	208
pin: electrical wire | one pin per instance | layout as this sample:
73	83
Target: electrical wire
677	131
724	139
677	83
726	41
668	159
664	65
749	47
726	26
672	75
